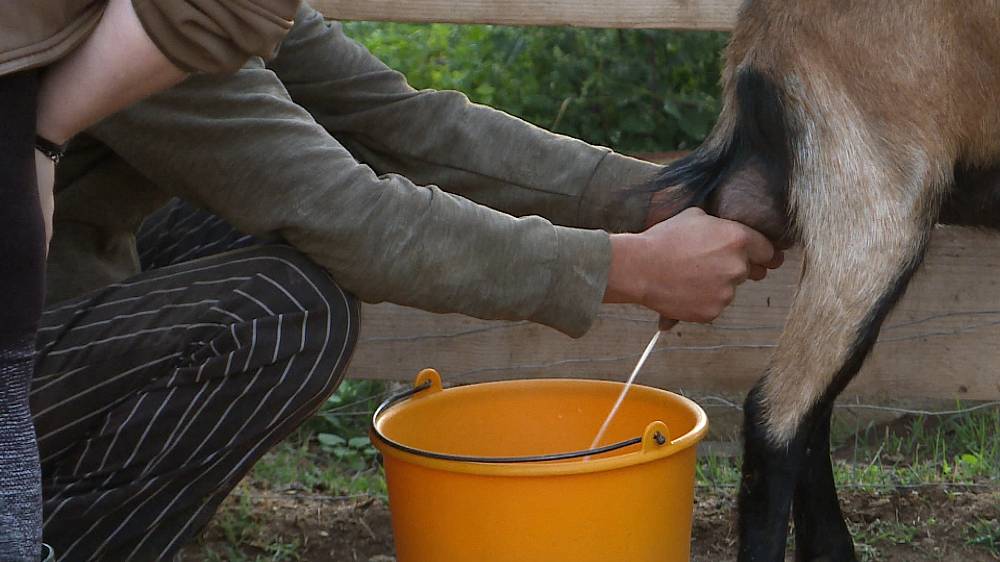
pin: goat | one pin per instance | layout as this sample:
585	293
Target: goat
851	127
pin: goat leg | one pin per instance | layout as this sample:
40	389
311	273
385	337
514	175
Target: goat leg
864	217
820	531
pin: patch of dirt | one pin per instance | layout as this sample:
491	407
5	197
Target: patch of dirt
913	525
941	518
928	524
320	528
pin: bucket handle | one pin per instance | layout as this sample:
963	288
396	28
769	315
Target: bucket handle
655	435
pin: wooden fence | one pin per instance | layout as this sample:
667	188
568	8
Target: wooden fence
673	14
940	342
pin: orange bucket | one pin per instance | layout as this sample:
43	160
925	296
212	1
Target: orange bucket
502	472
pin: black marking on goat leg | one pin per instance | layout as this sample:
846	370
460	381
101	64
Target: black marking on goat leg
743	178
820	531
869	329
767	485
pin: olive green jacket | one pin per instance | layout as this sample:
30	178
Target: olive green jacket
205	35
415	197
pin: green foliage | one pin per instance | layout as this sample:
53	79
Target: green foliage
243	525
355	453
331	453
985	533
299	464
635	90
957	449
237	523
889	531
717	472
341	426
348	411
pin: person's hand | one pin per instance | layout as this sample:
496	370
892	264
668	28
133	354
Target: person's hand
688	267
45	171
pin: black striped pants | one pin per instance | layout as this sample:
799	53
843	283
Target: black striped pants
153	397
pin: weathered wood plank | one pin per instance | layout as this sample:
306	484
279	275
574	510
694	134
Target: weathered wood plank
674	14
941	342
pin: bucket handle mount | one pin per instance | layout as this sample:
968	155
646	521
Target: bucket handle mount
653	438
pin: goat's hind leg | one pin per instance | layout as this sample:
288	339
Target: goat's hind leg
821	533
863	238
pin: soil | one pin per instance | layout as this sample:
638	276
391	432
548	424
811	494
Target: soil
882	523
912	525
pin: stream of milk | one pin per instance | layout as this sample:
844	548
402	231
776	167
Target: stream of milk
628	385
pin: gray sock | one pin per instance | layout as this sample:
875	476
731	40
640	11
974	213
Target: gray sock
20	471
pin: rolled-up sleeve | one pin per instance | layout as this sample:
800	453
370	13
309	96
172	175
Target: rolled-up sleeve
216	36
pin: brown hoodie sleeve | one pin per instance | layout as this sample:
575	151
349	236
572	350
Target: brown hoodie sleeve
216	36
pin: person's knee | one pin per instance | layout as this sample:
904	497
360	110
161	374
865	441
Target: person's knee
305	285
320	315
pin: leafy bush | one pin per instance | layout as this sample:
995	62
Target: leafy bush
341	425
635	90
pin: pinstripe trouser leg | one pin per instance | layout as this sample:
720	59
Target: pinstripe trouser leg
154	397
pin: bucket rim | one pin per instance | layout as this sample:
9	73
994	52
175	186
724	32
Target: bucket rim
649	450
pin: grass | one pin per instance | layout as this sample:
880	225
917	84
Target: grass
330	456
915	451
300	464
275	552
889	531
242	525
919	450
985	534
952	449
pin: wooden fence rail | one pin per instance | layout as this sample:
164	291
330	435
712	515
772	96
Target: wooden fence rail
940	342
674	14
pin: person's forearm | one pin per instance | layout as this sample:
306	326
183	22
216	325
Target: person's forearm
116	66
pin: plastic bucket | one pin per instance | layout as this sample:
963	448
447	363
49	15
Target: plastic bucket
501	472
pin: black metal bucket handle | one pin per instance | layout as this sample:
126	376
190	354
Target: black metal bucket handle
659	438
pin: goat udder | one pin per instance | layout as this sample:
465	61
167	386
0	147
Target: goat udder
747	197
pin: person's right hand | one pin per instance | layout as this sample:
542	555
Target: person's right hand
687	267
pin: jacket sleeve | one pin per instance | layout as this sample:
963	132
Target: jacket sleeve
441	138
216	35
240	147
